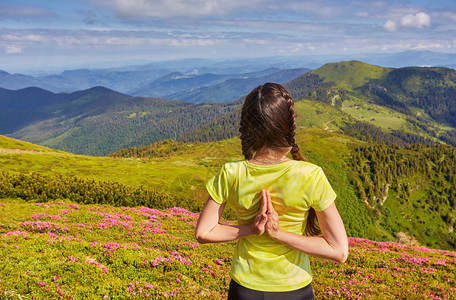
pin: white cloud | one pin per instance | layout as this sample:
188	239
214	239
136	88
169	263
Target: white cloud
171	8
23	38
390	25
418	20
12	49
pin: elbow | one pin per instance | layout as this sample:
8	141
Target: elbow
200	238
342	256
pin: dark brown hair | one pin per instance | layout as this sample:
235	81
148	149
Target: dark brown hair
268	118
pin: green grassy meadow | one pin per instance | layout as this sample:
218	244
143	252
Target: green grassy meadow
67	250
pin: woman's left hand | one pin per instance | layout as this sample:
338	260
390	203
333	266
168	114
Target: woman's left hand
272	225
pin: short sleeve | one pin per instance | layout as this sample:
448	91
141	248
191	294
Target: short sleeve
218	186
322	195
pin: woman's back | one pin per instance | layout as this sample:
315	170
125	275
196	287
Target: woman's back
294	187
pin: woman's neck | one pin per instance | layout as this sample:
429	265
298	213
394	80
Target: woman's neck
270	155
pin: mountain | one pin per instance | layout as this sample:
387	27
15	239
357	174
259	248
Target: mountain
74	80
234	88
17	81
411	58
25	107
98	121
177	82
21	108
132	79
415	101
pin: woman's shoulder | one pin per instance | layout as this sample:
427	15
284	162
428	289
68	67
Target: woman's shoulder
305	165
234	165
305	169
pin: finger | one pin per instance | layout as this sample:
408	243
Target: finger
263	220
264	202
268	198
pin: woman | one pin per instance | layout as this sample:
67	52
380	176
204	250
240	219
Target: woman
276	201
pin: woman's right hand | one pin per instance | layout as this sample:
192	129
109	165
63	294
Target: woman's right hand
272	225
259	224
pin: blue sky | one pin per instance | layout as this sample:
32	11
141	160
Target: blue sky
45	34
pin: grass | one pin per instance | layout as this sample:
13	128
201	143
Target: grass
13	144
62	250
317	114
383	117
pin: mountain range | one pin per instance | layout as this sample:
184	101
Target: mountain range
139	80
391	105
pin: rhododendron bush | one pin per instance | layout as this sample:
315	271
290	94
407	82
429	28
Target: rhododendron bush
63	250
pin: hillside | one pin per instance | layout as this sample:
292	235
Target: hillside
357	173
382	190
98	121
11	145
412	102
385	193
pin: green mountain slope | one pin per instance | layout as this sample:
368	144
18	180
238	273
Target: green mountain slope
8	144
99	121
382	190
350	75
408	102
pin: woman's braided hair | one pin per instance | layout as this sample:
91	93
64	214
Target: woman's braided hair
268	118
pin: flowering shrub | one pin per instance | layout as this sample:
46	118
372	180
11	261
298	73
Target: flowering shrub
58	250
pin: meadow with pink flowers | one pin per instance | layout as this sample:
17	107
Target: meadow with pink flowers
64	250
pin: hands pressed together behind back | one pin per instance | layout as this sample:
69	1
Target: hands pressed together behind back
267	219
332	244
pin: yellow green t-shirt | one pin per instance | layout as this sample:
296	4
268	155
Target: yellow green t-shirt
259	262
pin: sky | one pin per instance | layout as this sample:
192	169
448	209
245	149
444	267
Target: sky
46	34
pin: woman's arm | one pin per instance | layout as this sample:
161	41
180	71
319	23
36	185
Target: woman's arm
208	229
332	245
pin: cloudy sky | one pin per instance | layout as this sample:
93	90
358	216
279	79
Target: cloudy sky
44	34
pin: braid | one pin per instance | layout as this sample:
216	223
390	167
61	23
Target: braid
291	136
247	141
250	139
312	228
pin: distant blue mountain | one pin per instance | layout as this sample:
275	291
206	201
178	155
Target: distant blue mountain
177	83
234	88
